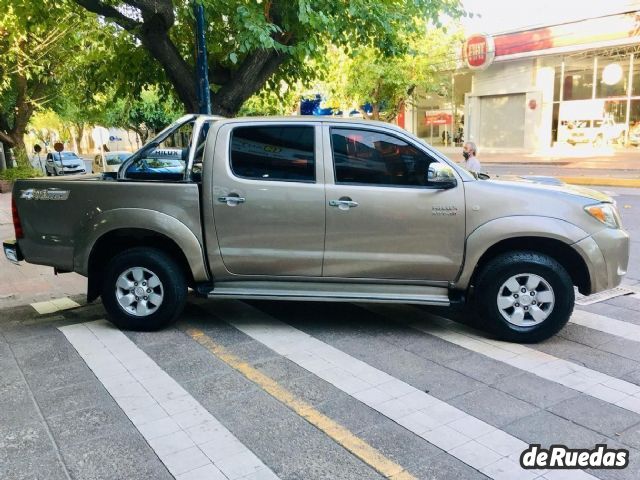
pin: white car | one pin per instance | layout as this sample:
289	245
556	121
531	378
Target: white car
63	163
111	162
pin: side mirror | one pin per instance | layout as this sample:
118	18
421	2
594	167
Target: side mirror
441	176
443	183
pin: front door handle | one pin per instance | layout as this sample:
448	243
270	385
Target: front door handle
231	200
343	203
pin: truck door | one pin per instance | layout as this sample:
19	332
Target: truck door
268	198
387	217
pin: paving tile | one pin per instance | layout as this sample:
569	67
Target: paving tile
484	369
74	397
87	424
159	428
207	472
170	443
507	469
59	376
445	437
476	454
185	460
493	406
549	429
239	465
535	390
501	442
205	432
122	455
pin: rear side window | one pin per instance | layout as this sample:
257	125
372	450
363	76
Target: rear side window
285	153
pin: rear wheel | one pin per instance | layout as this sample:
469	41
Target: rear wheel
525	296
143	289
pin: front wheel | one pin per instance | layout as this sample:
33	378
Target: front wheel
525	296
143	289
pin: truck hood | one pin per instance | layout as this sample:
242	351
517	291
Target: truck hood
541	183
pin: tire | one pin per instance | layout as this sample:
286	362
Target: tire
493	297
138	273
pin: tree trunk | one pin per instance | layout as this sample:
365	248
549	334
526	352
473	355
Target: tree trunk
78	134
247	80
180	74
375	111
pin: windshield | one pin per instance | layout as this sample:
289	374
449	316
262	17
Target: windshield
66	155
116	158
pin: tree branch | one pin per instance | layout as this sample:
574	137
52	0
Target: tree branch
96	6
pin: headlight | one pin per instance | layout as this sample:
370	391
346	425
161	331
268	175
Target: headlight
605	213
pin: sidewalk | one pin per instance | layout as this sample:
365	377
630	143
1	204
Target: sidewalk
580	166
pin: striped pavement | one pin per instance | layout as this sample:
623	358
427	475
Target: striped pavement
274	390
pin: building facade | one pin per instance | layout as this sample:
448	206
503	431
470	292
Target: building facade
563	85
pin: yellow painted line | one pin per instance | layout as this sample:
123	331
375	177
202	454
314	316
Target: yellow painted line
335	431
603	181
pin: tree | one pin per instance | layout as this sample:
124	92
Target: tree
36	41
148	113
253	44
387	83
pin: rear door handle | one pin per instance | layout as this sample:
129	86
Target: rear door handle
231	200
344	203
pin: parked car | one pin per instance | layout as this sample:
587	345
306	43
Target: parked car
598	132
109	161
63	163
319	209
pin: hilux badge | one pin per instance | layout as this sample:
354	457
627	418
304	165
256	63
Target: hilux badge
444	210
44	194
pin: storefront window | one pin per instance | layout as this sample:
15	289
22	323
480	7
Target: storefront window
613	77
578	79
636	76
634	123
616	110
556	83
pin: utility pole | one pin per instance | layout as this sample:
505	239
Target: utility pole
202	67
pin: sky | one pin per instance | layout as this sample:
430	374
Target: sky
505	15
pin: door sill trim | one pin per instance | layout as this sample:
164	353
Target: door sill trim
305	291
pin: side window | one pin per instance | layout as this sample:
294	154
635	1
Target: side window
375	158
285	153
167	161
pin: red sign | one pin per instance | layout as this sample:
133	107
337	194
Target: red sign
58	146
437	119
612	30
478	51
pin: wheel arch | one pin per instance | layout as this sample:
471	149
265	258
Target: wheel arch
563	253
551	236
118	240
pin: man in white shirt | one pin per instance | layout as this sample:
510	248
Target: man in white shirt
471	163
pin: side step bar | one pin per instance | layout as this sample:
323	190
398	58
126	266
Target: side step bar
332	292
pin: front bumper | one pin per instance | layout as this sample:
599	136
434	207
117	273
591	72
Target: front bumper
12	251
606	254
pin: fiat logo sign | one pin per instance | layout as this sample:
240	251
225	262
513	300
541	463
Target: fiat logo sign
478	51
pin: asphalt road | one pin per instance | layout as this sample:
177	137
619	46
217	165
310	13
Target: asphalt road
264	390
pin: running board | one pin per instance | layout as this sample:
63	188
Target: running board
332	292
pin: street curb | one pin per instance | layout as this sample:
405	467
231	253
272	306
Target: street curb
602	181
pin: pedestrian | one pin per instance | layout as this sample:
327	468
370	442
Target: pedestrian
471	162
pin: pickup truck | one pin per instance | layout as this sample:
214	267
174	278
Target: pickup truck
322	209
